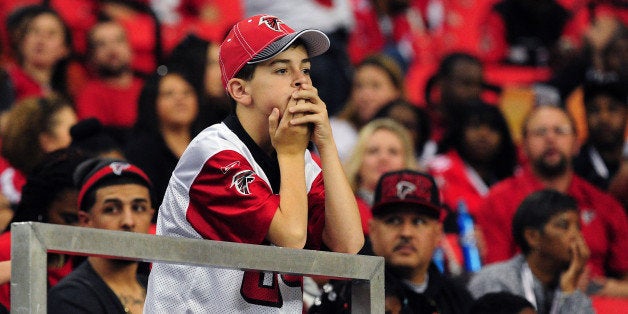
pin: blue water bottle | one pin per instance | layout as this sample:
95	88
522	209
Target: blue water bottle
468	243
439	259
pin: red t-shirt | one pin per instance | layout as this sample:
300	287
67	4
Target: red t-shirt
604	222
455	182
111	105
23	85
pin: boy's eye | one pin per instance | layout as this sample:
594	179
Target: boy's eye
564	224
140	208
110	210
306	71
281	71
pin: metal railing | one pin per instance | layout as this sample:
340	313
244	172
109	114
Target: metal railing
31	241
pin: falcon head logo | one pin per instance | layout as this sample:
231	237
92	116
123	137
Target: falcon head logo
404	188
118	167
241	181
271	22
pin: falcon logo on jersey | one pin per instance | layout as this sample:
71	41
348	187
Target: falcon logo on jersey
272	22
241	181
228	167
404	188
118	167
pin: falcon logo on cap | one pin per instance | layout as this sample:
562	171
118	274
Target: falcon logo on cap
241	181
404	188
272	22
587	216
118	167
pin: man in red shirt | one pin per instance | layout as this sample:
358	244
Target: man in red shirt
550	143
111	96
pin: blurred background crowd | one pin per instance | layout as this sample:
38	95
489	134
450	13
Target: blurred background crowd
441	86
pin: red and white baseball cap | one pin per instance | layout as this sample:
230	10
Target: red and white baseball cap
407	190
260	38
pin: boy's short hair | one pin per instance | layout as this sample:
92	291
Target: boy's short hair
502	302
260	38
535	212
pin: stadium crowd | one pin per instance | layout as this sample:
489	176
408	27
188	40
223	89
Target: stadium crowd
493	100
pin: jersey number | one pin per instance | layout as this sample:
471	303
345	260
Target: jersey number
263	287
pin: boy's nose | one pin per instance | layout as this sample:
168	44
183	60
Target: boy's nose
128	220
300	79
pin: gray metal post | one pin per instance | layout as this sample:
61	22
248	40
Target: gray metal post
365	295
28	272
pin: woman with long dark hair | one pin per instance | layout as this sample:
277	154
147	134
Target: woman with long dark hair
476	152
167	121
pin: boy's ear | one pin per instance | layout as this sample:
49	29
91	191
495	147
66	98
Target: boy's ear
84	219
533	237
239	91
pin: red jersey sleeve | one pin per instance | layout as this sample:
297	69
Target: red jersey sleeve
231	203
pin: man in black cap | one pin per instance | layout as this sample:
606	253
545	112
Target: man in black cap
406	229
114	195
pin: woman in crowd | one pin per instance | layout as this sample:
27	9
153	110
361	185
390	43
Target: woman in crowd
167	122
41	44
32	128
477	152
199	58
377	80
383	145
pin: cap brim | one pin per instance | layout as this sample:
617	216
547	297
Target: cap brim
316	43
419	207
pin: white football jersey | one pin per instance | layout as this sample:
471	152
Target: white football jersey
225	188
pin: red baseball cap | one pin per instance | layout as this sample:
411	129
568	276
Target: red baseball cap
260	38
407	189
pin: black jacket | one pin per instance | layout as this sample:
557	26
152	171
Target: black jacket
84	291
443	295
